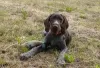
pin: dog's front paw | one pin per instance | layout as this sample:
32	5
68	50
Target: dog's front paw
61	61
23	57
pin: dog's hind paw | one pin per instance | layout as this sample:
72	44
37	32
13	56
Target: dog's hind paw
22	57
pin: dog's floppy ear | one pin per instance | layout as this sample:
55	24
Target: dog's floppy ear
47	24
65	22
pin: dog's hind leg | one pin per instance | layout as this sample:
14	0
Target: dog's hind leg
30	53
32	44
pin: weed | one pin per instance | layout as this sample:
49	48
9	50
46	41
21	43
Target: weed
97	66
69	9
61	10
83	16
22	49
69	58
24	14
18	40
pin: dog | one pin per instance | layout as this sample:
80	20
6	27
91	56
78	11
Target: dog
56	36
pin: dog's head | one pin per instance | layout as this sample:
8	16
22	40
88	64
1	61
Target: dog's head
56	23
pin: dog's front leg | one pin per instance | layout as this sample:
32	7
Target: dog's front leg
61	56
63	49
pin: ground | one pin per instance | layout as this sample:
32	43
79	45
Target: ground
22	21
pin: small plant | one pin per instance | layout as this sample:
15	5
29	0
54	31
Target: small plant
69	9
22	49
61	10
2	32
2	62
83	16
24	14
69	58
97	66
18	40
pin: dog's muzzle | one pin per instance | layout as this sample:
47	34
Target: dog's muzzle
55	29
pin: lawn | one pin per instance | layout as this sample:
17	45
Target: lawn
22	21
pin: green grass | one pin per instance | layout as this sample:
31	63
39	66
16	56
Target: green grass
22	49
3	13
97	66
69	9
69	58
83	16
24	14
2	62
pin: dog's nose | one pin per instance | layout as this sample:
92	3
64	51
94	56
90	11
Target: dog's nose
55	27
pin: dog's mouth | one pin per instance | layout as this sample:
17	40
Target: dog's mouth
56	29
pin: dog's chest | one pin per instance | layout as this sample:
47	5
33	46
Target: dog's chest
54	41
57	40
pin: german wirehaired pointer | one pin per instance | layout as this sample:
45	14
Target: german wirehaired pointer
56	36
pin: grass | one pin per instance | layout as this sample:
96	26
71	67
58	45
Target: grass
24	14
83	16
22	49
2	62
22	21
69	58
69	9
97	66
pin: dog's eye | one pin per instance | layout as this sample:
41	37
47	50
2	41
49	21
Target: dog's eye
51	21
60	21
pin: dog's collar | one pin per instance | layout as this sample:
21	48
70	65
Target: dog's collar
58	33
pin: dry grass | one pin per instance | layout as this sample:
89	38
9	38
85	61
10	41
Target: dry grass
22	21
